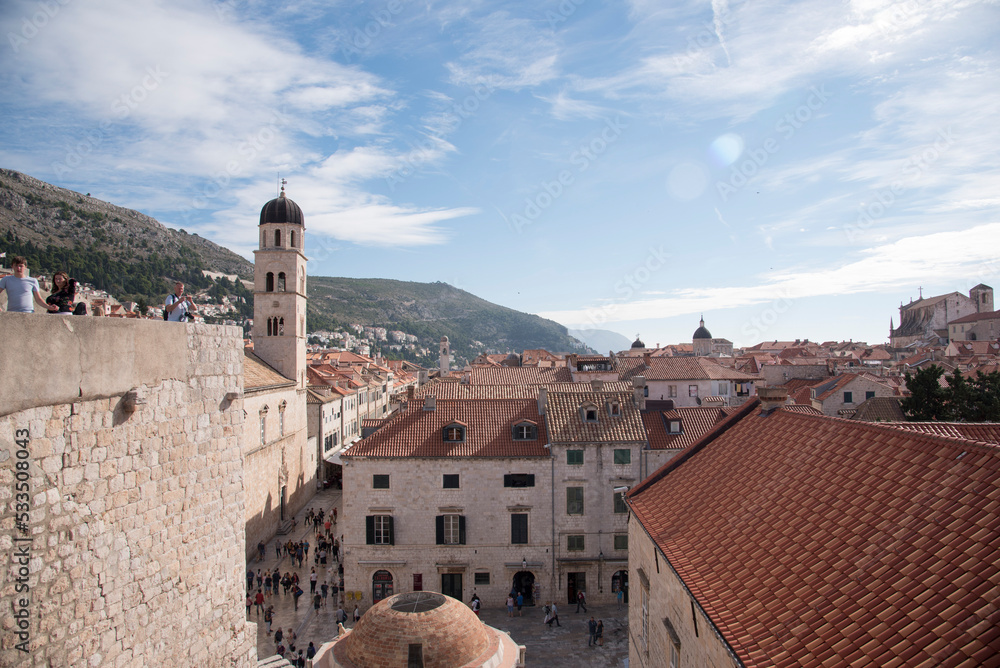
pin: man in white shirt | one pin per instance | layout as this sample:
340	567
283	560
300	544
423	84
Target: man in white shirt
178	305
21	288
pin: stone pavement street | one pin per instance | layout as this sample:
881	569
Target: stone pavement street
551	647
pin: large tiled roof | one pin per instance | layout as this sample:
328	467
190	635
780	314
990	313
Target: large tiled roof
879	409
258	375
566	423
695	423
975	317
687	368
814	541
419	433
519	375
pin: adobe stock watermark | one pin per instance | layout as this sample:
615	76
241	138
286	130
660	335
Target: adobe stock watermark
122	107
627	287
32	25
424	151
20	556
883	199
563	12
758	324
364	37
248	150
787	126
705	38
549	191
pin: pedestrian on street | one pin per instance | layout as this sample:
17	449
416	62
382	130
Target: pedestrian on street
357	614
317	601
278	635
269	617
600	632
258	602
260	550
553	615
581	601
312	581
520	603
510	606
310	651
296	593
325	588
249	604
619	596
475	604
591	632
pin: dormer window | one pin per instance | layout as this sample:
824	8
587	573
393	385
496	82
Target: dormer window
454	433
675	426
590	413
614	409
525	431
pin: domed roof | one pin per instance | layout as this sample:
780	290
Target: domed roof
638	342
282	210
448	631
701	332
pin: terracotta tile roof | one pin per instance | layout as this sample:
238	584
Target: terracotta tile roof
976	317
566	422
814	541
686	368
879	409
519	375
258	375
460	391
695	423
976	347
981	432
419	433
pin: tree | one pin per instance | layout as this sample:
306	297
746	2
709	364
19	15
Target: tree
927	398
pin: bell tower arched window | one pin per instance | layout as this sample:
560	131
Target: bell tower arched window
277	238
281	282
269	327
292	238
263	239
281	326
269	282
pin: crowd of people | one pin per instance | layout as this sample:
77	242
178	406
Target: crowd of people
326	584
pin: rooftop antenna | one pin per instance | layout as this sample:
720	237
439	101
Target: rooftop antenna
921	291
282	193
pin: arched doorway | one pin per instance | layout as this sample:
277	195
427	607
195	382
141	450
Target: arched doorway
381	585
524	583
620	581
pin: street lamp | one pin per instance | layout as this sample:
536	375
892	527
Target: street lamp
524	564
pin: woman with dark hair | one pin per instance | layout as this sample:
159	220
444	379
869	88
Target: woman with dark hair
63	294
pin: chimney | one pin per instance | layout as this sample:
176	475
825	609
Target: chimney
411	392
430	403
771	398
597	385
639	392
543	397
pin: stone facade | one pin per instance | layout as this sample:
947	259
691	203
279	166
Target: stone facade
133	480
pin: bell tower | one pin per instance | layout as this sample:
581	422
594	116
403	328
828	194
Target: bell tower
279	313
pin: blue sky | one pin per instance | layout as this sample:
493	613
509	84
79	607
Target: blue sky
791	170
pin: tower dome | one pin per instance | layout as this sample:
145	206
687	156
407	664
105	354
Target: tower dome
638	343
701	332
282	210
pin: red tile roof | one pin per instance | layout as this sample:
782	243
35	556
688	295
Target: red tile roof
982	432
459	391
519	375
879	409
418	432
566	424
687	368
815	541
695	423
976	317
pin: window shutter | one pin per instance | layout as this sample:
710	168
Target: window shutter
439	529
507	480
392	533
370	529
461	529
531	480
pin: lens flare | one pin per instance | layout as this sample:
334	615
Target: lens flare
726	149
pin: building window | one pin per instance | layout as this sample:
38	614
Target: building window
450	529
723	389
621	541
291	236
574	457
674	641
574	543
574	500
519	480
525	431
675	426
590	415
281	281
671	390
378	530
869	395
848	397
454	433
644	616
269	282
623	456
519	528
620	506
692	390
380	481
281	418
645	391
614	409
263	427
450	481
481	579
277	238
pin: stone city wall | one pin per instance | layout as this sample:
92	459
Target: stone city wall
121	494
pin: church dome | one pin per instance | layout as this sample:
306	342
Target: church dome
701	332
638	343
447	631
282	210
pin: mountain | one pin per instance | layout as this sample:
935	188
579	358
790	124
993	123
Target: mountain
601	340
119	250
133	256
430	311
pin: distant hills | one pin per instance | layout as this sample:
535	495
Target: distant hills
601	340
133	256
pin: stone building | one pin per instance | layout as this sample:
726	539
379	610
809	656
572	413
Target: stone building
783	538
127	548
847	392
925	321
705	346
983	326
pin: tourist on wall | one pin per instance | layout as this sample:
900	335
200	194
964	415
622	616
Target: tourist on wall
21	288
60	301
